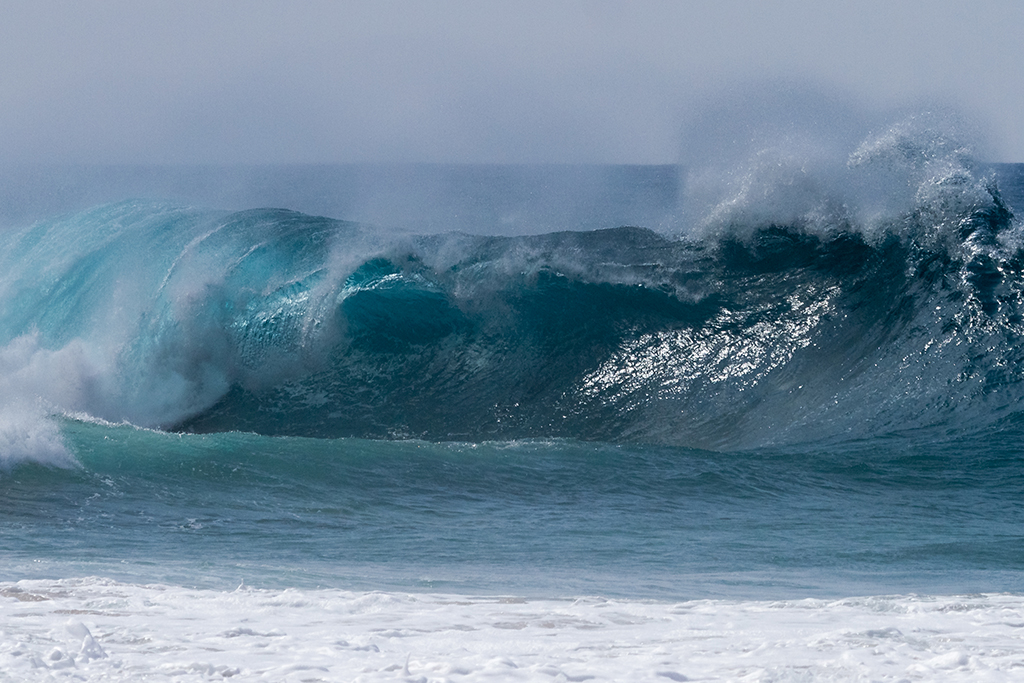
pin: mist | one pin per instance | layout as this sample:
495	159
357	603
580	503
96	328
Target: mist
271	82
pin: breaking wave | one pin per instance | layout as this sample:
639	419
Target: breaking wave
795	307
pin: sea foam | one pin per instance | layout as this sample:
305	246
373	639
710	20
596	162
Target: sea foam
98	630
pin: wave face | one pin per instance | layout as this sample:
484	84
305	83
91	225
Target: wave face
827	323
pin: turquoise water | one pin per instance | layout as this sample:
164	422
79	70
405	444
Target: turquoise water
530	517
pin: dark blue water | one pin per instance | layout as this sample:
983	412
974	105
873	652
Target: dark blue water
758	409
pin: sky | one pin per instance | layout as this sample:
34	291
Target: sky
307	81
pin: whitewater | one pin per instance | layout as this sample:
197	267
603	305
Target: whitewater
755	419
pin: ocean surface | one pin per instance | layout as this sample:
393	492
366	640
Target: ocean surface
462	423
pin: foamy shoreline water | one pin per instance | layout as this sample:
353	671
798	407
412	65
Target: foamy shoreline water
94	629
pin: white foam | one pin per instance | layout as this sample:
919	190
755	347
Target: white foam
33	381
124	632
915	177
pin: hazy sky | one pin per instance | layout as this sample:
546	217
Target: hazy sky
308	81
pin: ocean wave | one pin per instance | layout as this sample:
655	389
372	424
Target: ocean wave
785	315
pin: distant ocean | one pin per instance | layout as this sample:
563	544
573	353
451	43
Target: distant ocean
547	423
